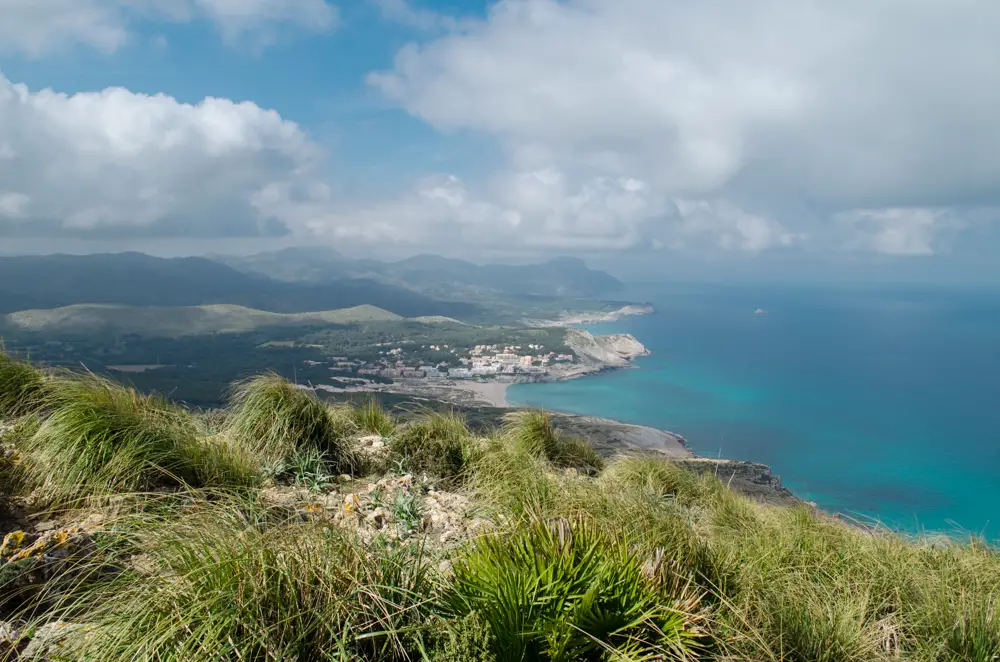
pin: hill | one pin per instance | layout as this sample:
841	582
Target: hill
135	279
177	321
434	275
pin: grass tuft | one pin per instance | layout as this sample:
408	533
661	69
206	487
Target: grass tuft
100	437
436	444
371	418
225	582
533	432
272	419
22	387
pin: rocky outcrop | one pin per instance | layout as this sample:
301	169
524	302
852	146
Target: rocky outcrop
614	350
748	478
609	437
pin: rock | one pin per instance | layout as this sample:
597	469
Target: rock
379	517
10	639
47	637
445	568
615	350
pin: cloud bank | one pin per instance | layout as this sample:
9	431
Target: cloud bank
717	126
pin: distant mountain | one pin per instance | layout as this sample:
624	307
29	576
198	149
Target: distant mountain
135	279
433	275
173	321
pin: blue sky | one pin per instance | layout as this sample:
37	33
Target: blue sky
836	140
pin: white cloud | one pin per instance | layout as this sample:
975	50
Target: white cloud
898	231
38	27
772	106
115	161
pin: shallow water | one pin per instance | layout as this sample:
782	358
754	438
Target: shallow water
874	402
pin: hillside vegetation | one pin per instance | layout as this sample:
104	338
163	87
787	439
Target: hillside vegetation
434	275
171	322
284	528
134	279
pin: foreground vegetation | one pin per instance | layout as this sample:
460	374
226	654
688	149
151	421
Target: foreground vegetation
287	529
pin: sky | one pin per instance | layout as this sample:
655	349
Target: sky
832	139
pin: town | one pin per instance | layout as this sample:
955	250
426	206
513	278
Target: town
498	361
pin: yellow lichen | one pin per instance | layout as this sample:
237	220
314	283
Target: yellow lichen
11	543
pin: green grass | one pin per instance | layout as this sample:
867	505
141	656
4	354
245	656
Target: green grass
100	438
371	418
438	444
634	558
227	583
533	432
22	387
272	420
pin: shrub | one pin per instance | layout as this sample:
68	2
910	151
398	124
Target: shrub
272	419
437	444
370	417
568	590
101	437
22	387
224	583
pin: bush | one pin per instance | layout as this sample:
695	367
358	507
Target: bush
272	419
22	387
568	590
437	444
224	583
101	437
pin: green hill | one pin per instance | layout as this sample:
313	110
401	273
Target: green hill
434	275
178	320
135	279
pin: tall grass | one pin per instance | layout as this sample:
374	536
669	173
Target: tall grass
438	444
22	387
568	590
270	418
371	418
533	432
226	583
100	437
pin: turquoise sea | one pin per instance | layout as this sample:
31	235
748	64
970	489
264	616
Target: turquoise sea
881	402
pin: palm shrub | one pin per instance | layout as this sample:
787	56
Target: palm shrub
436	444
570	590
272	419
100	437
226	582
22	387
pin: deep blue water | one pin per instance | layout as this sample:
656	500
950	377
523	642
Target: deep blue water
878	402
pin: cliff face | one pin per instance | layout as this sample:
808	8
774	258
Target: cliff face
613	350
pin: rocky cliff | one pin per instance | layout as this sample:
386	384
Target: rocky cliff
614	350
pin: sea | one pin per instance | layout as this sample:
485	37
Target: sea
878	402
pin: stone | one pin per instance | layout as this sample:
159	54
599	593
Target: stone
47	637
379	517
10	639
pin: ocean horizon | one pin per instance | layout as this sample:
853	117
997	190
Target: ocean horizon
877	402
